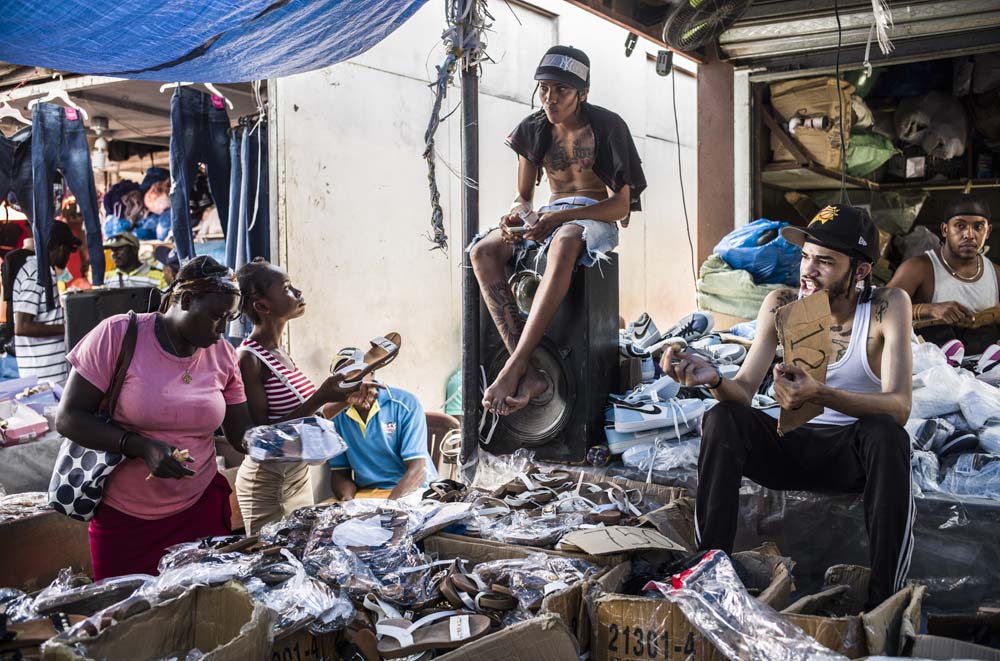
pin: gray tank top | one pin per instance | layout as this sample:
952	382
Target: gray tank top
852	372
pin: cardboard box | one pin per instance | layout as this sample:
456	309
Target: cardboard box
813	97
36	547
629	628
881	632
938	647
957	636
545	637
568	604
304	646
223	622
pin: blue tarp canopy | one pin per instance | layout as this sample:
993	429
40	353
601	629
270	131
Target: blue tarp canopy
216	41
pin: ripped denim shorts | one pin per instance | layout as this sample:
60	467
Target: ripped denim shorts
600	237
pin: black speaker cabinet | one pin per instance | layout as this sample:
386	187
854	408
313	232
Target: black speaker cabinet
85	309
579	353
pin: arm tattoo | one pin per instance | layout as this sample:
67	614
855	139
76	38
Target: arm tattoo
785	297
509	323
880	309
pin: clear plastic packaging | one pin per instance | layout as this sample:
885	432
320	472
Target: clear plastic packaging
664	456
21	505
973	475
925	468
17	605
312	440
66	595
494	471
714	600
934	392
534	577
525	529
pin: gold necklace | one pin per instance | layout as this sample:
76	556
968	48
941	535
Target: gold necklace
186	377
955	274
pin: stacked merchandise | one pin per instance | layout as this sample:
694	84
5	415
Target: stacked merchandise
747	264
656	425
955	421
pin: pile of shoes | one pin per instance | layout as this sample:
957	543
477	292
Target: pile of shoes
538	507
955	420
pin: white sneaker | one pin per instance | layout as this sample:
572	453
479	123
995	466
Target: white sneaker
661	390
676	413
990	360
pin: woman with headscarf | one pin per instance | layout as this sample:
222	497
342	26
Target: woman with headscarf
182	385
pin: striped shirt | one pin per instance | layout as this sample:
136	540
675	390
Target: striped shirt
144	276
280	399
43	357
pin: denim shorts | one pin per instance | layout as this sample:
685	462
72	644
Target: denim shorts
600	237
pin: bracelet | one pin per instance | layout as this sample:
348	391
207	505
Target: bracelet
121	442
717	383
916	312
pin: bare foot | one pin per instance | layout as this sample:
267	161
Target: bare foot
503	388
534	388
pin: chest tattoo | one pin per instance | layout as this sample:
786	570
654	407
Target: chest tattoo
579	155
840	338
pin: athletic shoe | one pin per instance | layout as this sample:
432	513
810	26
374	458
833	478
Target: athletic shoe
648	369
954	351
957	443
643	331
691	327
707	341
673	413
628	349
990	360
661	390
727	354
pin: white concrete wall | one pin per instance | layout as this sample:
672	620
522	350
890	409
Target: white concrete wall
353	200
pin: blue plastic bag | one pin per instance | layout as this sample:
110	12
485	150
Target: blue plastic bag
774	262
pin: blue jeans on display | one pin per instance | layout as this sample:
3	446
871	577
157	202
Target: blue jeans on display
60	143
199	133
15	168
249	227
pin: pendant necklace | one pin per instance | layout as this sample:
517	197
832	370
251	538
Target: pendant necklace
186	377
954	273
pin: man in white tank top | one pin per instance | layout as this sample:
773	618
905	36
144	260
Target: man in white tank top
956	282
858	444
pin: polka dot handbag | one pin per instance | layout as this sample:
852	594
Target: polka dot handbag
77	484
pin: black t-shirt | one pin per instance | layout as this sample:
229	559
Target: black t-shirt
616	160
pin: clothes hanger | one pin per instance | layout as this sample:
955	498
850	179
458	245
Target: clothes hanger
7	110
209	86
60	95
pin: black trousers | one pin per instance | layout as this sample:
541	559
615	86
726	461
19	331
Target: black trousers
871	456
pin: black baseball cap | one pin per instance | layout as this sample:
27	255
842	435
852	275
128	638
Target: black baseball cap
848	230
967	205
565	64
61	233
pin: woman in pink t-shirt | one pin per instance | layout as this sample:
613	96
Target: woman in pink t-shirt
182	385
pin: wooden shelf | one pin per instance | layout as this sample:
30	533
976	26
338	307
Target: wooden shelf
810	176
940	184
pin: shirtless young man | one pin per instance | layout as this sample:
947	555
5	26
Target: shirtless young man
956	282
595	176
858	444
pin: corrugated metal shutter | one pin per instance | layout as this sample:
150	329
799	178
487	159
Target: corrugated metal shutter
795	35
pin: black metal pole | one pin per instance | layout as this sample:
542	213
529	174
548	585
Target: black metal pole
470	288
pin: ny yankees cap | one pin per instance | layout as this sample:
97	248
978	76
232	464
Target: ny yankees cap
565	64
847	230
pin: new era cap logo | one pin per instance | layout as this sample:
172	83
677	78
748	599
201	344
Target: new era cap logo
861	241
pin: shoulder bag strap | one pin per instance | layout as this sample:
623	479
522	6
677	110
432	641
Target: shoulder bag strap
274	370
110	400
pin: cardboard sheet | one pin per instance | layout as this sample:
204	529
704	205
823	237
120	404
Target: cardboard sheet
804	330
618	539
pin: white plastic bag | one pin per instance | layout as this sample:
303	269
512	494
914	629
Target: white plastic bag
935	392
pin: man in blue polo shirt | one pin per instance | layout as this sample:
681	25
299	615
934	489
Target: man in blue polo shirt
386	448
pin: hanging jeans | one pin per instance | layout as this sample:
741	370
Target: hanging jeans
59	142
249	232
249	226
199	133
15	168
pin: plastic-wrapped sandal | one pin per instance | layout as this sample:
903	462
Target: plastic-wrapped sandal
444	630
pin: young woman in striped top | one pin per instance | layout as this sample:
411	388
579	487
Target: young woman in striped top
276	391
